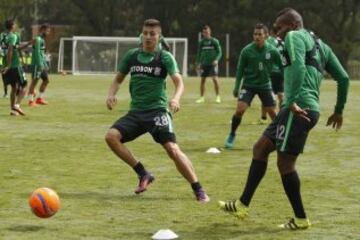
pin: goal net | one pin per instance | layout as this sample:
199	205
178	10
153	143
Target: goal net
101	55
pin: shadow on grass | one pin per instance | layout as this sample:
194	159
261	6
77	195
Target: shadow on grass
100	196
231	231
25	228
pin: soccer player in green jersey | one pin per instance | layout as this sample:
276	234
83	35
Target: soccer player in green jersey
148	67
277	79
207	59
2	45
39	67
306	59
255	64
12	71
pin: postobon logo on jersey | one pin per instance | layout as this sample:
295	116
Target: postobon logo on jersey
141	69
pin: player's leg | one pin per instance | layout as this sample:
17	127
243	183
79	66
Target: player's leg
159	125
124	130
34	79
261	150
45	81
280	97
186	169
214	73
268	102
5	87
244	101
205	72
291	138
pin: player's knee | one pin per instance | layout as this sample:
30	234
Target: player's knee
173	150
112	136
285	167
239	112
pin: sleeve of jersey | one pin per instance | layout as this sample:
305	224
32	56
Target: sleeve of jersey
170	63
218	50
297	69
12	40
123	66
335	69
36	54
240	70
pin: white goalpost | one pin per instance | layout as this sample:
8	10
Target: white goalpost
101	55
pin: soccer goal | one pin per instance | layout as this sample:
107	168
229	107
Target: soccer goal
101	55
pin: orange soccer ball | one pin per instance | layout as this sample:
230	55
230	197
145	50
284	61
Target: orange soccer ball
44	202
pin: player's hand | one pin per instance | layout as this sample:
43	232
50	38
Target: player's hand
214	63
298	111
4	70
174	105
336	120
236	93
111	102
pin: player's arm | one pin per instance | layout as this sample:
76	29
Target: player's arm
31	42
335	69
173	70
37	54
277	61
179	90
198	53
218	52
12	45
297	69
239	73
123	70
114	87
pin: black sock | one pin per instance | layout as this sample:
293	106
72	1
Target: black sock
196	186
256	172
140	170
235	122
291	183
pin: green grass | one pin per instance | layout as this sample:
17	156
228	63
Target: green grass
62	146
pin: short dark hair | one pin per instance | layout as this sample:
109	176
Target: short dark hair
291	16
205	27
9	24
262	26
44	26
152	23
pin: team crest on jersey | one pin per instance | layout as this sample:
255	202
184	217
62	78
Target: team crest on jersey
267	56
157	71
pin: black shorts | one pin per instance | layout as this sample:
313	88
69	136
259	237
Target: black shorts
289	132
209	70
266	96
15	77
37	73
277	82
157	122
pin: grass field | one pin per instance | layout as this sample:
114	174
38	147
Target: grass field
62	146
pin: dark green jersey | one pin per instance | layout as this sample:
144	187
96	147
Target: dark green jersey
208	51
13	40
277	43
303	71
38	58
255	66
148	77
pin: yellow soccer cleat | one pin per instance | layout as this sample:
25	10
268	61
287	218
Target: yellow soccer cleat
200	100
296	224
235	208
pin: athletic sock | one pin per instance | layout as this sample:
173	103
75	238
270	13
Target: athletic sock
291	183
235	122
31	97
140	169
256	173
41	95
196	186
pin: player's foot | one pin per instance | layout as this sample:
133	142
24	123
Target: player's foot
32	104
41	101
235	208
18	110
230	141
201	196
200	100
296	224
218	99
262	121
13	113
144	182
